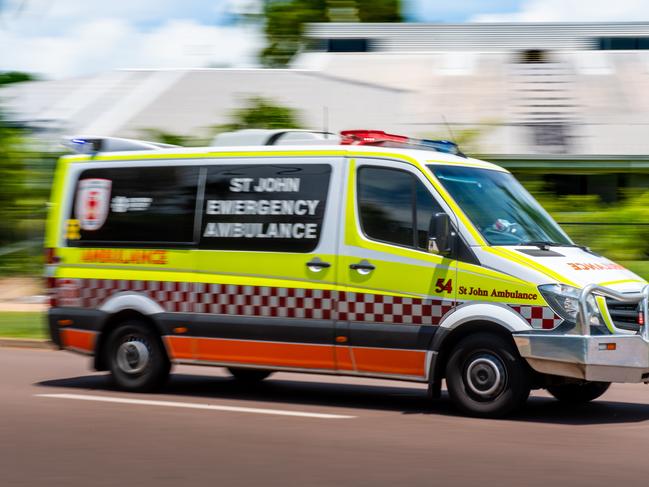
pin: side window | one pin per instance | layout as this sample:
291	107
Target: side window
270	207
134	207
394	206
427	206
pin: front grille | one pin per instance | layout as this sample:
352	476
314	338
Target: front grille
624	315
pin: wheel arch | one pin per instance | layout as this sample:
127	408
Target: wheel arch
113	321
467	319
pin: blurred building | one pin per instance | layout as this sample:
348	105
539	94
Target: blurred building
546	98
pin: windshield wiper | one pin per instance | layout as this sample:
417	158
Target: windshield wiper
542	244
546	244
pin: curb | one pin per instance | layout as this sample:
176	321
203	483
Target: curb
26	343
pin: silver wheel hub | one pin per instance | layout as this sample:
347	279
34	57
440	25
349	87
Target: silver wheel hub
485	376
132	357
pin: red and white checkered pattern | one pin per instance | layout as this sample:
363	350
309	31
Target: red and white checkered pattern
241	300
189	297
381	308
232	299
538	316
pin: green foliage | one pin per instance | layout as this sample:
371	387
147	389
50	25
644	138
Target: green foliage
22	325
261	113
616	230
284	21
379	10
12	181
156	135
25	178
8	77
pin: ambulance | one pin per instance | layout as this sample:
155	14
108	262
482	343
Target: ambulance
361	254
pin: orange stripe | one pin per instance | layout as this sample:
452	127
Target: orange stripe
385	361
78	339
298	355
180	347
344	358
265	353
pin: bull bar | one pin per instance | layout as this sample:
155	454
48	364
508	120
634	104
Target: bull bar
616	356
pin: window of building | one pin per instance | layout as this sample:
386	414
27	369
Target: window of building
270	207
134	207
348	45
622	43
533	56
395	207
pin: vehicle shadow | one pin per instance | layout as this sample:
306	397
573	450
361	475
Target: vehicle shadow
405	399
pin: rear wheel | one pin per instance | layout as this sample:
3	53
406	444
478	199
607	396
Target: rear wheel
577	393
486	377
136	358
249	375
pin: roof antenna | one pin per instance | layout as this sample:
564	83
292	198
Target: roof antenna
448	128
452	136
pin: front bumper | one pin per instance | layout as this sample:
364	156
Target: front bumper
615	357
587	357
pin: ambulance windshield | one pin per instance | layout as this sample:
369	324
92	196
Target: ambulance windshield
504	212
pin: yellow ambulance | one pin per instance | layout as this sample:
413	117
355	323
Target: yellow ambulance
364	254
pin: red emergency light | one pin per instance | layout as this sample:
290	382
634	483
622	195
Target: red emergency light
369	137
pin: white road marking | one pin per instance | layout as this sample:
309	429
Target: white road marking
192	405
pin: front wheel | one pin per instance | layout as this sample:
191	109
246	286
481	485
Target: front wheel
579	393
136	358
486	377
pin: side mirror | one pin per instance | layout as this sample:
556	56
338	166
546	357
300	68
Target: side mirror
440	235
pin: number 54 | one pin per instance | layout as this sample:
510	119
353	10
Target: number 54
444	286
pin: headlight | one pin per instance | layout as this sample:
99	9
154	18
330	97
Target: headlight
564	301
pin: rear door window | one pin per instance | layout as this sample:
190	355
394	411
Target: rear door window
134	207
270	207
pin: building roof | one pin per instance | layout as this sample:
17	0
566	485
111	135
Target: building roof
445	81
484	37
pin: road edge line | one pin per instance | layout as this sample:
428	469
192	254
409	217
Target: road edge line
193	405
34	343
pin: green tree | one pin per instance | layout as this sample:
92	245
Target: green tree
261	113
257	113
12	180
157	135
25	179
284	21
8	77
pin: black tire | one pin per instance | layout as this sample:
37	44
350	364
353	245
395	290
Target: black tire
142	366
486	377
249	375
579	393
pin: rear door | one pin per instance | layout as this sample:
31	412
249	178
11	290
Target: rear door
394	291
266	263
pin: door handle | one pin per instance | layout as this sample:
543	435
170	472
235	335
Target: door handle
316	265
363	267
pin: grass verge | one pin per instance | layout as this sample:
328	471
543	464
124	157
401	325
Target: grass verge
22	325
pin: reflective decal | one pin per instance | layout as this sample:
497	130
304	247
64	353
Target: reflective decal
93	197
594	266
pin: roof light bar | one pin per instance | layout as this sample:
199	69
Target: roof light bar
381	138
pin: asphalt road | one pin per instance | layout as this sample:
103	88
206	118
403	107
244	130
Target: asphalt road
61	424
